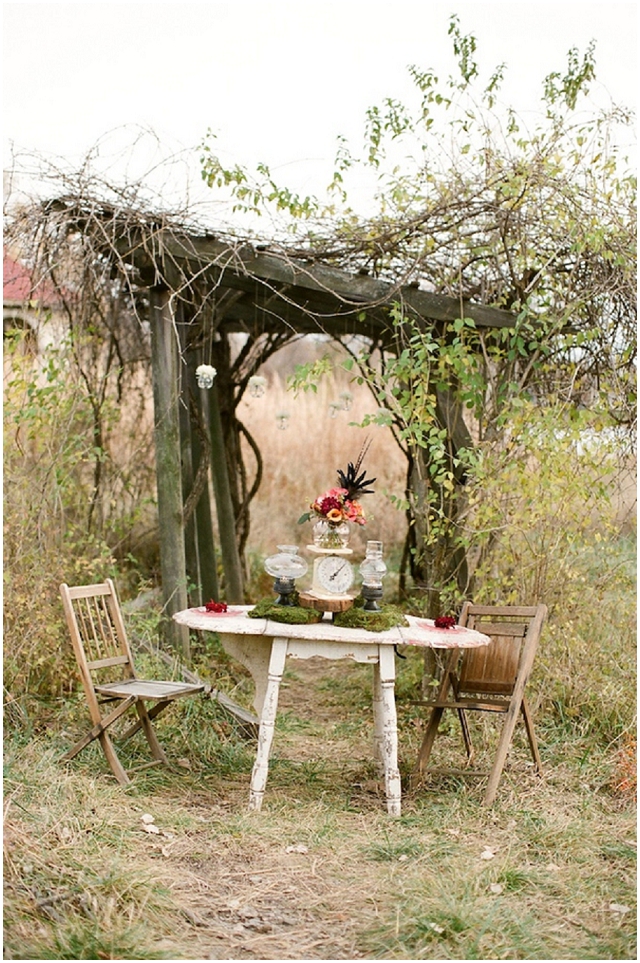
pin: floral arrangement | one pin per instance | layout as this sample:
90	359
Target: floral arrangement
341	504
336	506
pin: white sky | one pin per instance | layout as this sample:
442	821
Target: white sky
276	80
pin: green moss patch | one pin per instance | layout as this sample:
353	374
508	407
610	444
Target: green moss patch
357	618
291	614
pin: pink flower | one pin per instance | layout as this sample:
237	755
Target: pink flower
336	507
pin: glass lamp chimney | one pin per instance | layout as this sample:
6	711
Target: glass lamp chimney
373	570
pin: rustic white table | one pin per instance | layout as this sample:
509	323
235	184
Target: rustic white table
262	646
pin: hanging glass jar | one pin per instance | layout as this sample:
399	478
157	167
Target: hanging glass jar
205	375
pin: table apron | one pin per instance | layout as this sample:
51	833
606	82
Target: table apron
367	652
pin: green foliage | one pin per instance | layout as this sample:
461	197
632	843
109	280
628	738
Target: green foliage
536	218
63	518
306	377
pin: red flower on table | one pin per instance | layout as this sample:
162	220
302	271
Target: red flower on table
444	622
215	606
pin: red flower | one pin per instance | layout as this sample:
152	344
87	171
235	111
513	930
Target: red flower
444	622
215	606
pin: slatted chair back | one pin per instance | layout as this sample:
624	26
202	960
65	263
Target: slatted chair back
98	634
494	669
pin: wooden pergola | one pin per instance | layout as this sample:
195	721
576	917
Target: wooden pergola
201	290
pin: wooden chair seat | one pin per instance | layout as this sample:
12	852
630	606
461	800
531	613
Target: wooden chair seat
102	651
152	689
488	679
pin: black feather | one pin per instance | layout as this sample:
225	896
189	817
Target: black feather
356	484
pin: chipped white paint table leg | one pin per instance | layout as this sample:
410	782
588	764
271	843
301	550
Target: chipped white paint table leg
263	647
386	726
267	723
381	657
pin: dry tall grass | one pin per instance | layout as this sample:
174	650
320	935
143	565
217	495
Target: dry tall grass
301	461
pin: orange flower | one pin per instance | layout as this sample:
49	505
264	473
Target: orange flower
335	515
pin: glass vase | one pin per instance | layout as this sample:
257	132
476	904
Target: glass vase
328	534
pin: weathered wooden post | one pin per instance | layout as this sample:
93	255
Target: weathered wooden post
203	519
166	394
187	465
231	563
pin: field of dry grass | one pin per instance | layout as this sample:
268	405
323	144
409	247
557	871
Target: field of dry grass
322	872
301	461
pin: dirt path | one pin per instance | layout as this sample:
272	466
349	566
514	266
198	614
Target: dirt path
285	896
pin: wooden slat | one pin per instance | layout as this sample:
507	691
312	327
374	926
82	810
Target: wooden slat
88	591
516	630
329	280
495	664
103	663
512	611
472	704
488	685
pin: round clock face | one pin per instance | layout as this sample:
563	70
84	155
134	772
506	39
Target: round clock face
335	574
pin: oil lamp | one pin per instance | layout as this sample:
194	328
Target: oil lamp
373	570
285	567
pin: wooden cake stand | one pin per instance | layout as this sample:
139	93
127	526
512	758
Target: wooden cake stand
323	603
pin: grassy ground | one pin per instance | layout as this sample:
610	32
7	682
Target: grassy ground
322	872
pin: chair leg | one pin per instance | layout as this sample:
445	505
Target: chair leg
462	716
100	727
156	749
154	711
112	759
434	720
533	742
427	743
466	735
501	755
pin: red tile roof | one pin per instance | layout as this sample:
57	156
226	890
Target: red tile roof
18	284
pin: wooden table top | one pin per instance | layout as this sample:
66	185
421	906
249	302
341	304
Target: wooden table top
420	632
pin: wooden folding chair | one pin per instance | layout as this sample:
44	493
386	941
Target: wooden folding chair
101	648
489	679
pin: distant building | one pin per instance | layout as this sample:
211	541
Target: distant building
31	306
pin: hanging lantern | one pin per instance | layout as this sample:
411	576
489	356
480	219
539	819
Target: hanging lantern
205	374
334	408
257	386
346	400
282	419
